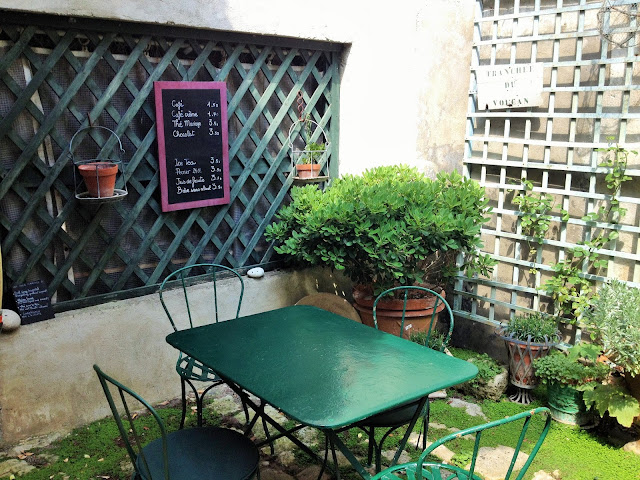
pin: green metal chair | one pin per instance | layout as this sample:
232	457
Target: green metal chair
428	470
209	453
181	316
405	415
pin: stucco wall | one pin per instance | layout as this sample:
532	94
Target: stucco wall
405	79
404	92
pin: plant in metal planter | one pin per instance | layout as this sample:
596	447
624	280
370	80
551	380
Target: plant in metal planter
390	226
566	374
527	338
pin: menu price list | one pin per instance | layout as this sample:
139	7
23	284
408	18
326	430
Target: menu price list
32	301
194	150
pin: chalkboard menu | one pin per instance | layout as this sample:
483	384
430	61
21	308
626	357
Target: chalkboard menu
33	302
191	119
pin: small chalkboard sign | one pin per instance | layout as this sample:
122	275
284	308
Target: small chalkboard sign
33	302
191	121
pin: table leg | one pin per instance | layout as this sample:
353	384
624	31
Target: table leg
282	432
412	424
335	440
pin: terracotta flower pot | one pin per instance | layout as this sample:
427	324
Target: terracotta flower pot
389	312
99	177
308	170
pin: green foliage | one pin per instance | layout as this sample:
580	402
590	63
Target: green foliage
534	210
573	368
535	327
570	290
615	323
435	341
615	159
390	226
312	152
613	399
488	368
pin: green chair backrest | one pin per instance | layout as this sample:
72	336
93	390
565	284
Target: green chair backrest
124	417
423	469
186	276
405	294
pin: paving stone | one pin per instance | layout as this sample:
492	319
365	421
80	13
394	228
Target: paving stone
542	475
493	463
283	445
633	447
404	456
16	467
227	405
309	473
29	444
471	408
276	415
310	436
274	474
285	457
438	395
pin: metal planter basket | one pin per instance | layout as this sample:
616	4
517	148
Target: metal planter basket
308	156
95	180
521	357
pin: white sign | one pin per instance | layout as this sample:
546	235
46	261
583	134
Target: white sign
509	86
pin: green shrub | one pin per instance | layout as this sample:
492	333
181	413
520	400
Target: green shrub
570	368
535	327
615	322
488	368
390	226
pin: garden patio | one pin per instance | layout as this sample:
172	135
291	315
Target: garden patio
489	175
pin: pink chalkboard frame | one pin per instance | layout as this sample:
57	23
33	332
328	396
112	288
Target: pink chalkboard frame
162	158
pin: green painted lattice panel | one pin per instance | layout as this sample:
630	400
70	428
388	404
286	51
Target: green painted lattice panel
55	80
591	98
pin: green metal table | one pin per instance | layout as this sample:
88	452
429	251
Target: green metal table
320	369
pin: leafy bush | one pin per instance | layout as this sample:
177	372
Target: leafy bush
613	399
488	368
390	226
535	327
577	367
615	321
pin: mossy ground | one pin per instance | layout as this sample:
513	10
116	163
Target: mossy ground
96	452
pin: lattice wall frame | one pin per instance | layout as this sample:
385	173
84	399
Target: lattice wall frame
591	98
58	74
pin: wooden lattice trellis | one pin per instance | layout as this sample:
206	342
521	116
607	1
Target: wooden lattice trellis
591	99
58	75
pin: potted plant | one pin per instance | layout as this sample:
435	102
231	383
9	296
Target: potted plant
566	373
307	165
388	227
527	337
614	322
